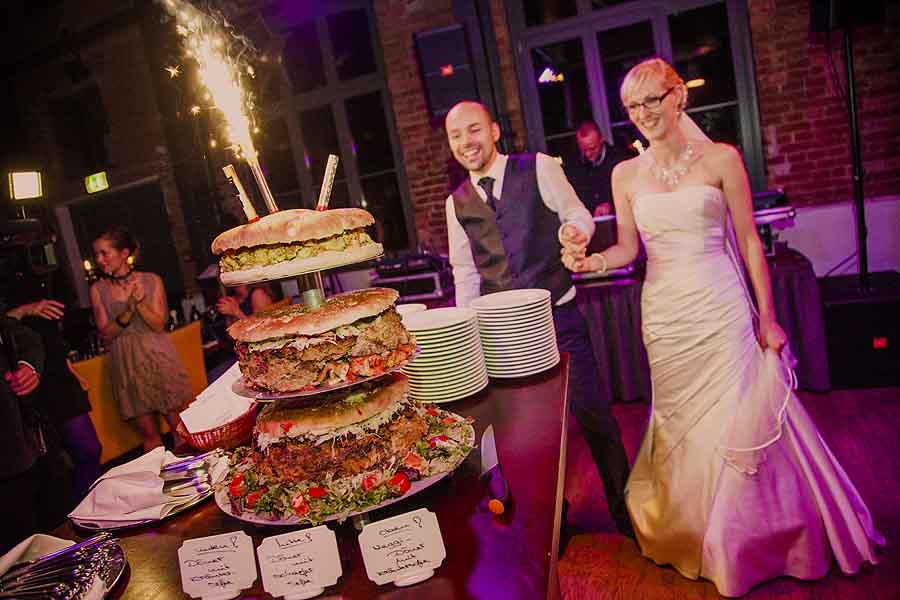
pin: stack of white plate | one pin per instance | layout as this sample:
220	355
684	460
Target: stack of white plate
517	333
450	364
408	309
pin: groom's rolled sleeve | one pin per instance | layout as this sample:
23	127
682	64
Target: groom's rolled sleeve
466	278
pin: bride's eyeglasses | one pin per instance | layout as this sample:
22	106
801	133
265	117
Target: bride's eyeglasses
650	102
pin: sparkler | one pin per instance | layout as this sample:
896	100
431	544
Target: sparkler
219	56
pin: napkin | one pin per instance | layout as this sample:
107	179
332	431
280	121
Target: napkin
217	404
39	545
130	492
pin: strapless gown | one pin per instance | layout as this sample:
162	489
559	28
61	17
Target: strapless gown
733	482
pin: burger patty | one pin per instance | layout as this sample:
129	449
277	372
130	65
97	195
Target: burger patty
270	254
294	462
290	368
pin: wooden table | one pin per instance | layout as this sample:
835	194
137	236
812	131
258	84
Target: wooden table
486	558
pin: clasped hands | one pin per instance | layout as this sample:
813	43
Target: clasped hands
574	250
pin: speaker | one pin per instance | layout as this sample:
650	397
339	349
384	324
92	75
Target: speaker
828	15
445	67
863	330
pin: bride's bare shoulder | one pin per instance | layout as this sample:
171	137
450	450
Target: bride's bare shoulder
626	173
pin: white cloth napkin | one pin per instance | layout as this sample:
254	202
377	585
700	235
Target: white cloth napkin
130	492
39	545
217	404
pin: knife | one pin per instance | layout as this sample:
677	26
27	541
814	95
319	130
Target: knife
499	498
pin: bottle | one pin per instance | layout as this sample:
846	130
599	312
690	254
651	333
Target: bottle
173	320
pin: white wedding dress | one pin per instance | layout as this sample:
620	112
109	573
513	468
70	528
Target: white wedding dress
732	482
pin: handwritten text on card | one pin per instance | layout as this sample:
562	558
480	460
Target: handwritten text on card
403	549
306	560
213	565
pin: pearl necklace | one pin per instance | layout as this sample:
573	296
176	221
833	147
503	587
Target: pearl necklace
680	167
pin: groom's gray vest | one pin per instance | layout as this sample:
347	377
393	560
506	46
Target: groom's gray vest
517	247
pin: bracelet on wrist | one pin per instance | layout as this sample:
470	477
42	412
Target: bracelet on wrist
603	263
121	323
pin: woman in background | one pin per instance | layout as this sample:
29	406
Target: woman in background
130	309
247	300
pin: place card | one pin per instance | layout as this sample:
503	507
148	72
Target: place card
300	564
405	549
217	567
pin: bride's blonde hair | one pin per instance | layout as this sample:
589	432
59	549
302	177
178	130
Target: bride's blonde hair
650	69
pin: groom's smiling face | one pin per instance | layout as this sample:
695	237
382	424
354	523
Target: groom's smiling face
472	136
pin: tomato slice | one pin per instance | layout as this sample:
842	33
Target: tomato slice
317	492
285	427
300	505
236	487
399	482
414	461
371	481
432	412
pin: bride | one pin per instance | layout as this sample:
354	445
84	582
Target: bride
732	481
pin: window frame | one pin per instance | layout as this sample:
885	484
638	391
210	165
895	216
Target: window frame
334	94
589	22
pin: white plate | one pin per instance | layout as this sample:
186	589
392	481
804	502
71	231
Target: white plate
493	338
414	488
530	309
377	252
454	396
509	299
408	309
447	383
503	373
505	320
447	390
438	318
522	353
450	336
431	356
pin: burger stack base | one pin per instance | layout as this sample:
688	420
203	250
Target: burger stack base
331	455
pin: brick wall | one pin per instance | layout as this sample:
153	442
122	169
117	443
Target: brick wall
423	144
805	122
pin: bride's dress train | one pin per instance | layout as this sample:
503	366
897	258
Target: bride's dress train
732	482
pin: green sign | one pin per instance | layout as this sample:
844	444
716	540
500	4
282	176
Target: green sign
96	182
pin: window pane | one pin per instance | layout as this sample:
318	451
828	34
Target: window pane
371	142
352	43
320	139
702	51
303	58
542	12
276	157
340	196
621	49
381	197
721	124
625	134
562	86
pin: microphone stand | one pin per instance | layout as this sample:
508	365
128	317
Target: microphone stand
862	233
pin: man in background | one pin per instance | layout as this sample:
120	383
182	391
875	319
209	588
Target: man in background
591	173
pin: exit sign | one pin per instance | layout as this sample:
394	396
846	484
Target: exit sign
96	182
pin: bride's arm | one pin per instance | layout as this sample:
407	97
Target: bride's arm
736	186
625	249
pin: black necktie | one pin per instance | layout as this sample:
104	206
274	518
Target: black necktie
487	184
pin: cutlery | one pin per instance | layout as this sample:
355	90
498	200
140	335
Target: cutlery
499	497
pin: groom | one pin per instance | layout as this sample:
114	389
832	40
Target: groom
505	223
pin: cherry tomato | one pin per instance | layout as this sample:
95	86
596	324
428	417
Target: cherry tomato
371	481
432	412
437	439
449	420
300	505
236	487
399	482
252	497
285	427
317	492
